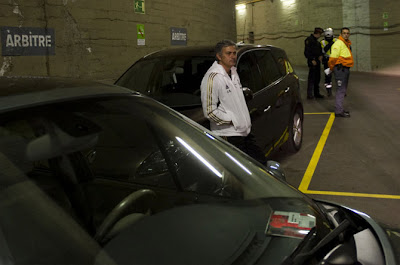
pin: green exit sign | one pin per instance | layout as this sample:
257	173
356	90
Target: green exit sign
139	6
385	15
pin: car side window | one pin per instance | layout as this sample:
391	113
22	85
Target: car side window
127	150
268	67
140	77
143	149
249	73
173	73
180	80
132	150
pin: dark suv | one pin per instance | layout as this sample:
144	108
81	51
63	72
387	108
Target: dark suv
173	77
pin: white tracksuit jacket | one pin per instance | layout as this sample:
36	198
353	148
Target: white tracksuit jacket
223	102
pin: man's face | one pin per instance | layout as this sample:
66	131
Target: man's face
228	57
345	34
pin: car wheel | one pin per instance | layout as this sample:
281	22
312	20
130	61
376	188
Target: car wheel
295	128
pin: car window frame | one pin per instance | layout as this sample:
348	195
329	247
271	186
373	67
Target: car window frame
276	65
266	86
255	91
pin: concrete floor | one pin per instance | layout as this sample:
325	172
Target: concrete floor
355	162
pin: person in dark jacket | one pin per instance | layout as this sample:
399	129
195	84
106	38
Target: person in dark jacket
313	53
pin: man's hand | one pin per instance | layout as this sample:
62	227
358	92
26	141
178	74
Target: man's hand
320	58
314	62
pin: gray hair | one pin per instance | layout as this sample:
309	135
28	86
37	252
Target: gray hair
222	44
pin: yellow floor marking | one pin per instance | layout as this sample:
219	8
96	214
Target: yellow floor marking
305	183
318	113
317	154
352	194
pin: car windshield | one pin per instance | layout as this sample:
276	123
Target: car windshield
173	80
118	179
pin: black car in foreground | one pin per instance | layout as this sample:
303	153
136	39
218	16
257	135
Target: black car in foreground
173	77
98	174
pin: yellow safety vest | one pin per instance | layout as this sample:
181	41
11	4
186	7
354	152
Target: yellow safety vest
323	44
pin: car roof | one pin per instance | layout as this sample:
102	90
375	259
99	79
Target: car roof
17	92
186	51
245	47
204	50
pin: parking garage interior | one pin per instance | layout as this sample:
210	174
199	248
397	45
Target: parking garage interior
354	161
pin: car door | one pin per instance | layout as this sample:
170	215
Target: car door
278	93
291	97
261	105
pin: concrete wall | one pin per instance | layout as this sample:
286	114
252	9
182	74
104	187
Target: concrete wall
97	39
287	23
385	40
356	16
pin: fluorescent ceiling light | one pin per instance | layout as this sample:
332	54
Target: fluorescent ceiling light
240	7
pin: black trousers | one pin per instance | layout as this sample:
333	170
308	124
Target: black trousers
248	145
314	77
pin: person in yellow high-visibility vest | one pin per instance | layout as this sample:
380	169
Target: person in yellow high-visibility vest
326	45
340	61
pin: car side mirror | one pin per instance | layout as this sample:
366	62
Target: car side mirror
276	170
248	94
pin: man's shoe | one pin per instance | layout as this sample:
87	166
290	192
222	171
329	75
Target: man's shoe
346	111
310	97
319	96
342	115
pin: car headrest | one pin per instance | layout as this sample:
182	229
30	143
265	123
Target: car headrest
66	134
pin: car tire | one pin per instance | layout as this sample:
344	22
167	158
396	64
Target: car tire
295	128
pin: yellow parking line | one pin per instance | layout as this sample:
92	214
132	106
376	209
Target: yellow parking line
352	194
305	183
317	113
317	154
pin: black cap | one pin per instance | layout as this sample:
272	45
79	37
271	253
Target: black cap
318	30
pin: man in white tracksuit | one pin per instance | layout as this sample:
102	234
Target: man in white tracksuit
224	103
